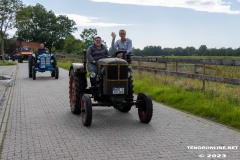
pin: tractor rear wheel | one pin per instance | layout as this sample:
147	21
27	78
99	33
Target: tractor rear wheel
145	107
86	109
77	86
20	60
73	93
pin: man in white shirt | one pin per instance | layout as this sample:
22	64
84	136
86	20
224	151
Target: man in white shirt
123	44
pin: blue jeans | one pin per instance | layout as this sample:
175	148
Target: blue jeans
92	68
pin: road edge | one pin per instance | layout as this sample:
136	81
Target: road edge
7	107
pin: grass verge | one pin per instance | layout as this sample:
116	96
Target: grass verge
64	64
7	63
210	105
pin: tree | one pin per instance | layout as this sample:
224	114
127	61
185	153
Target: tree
8	9
35	23
10	46
203	50
87	37
136	52
71	44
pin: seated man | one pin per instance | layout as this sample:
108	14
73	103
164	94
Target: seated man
42	49
94	53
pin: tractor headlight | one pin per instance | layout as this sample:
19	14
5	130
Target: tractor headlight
52	61
92	74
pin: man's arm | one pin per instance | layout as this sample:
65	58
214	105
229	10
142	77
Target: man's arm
106	53
114	44
129	46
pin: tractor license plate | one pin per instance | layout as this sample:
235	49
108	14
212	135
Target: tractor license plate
42	66
118	90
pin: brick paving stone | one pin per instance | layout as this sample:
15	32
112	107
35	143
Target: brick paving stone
41	126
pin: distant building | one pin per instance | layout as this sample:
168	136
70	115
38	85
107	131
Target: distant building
33	45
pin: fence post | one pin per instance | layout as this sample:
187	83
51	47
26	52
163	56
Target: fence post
139	68
204	72
176	67
155	70
166	66
195	68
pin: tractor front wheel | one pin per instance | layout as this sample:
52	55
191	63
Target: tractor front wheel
145	107
86	109
30	64
53	74
56	72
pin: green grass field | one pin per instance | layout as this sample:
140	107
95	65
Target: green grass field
219	102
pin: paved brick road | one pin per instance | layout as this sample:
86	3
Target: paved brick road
41	127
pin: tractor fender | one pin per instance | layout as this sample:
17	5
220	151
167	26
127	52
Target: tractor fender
77	68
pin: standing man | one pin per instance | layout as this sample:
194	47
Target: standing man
94	53
123	44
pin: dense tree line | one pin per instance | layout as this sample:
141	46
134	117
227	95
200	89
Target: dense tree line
35	23
188	51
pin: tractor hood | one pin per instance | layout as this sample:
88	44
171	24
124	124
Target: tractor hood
108	61
44	55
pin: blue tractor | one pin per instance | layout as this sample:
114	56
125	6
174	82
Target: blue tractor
42	63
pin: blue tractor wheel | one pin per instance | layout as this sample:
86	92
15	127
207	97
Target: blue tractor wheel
56	72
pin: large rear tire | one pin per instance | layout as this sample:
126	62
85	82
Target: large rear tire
145	107
77	86
33	72
86	109
73	94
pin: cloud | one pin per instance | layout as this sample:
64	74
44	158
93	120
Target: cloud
83	21
11	32
213	6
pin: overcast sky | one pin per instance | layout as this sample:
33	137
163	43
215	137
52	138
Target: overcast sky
166	23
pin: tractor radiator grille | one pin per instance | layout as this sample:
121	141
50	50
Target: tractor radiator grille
117	72
45	61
